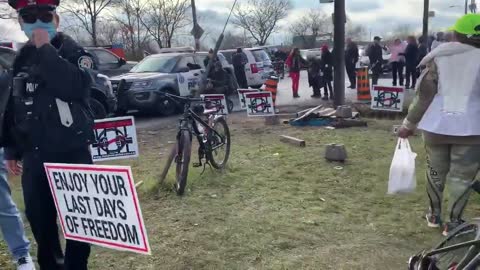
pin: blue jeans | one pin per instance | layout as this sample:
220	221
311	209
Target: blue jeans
10	221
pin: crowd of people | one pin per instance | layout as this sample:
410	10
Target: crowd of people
405	56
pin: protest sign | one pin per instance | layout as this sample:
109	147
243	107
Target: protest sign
241	97
98	205
215	102
387	98
115	138
259	104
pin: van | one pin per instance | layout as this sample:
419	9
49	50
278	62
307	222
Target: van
258	68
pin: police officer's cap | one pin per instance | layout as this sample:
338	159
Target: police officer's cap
21	4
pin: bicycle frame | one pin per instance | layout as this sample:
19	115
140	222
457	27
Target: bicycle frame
189	121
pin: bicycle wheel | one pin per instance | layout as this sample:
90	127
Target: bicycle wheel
184	152
218	146
462	256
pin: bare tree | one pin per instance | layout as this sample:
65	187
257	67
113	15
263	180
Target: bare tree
313	23
356	32
88	13
164	18
260	17
109	32
133	33
232	41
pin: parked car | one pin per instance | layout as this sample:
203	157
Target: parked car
258	68
109	63
174	73
102	102
365	61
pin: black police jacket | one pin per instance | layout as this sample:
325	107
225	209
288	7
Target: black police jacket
43	78
4	96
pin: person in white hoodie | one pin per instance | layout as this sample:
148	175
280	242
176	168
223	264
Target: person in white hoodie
447	110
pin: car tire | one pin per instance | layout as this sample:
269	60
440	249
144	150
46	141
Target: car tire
98	109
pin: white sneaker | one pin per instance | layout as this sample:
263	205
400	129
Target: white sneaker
25	263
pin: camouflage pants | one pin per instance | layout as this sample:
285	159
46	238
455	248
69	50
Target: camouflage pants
454	165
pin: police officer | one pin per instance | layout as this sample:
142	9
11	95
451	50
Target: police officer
48	119
375	54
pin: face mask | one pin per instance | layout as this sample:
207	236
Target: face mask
28	28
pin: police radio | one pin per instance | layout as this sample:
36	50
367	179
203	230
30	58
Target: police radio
22	90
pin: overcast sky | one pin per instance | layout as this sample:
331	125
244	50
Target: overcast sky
378	16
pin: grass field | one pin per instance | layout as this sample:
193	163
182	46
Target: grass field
278	206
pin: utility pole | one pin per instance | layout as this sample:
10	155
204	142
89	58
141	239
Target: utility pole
197	31
466	6
339	21
426	7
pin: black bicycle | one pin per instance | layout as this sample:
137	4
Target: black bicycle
212	133
460	250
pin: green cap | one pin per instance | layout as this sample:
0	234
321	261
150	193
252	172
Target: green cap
468	25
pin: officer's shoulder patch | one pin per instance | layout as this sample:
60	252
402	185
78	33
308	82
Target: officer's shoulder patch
85	61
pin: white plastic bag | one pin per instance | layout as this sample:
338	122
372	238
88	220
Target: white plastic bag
402	171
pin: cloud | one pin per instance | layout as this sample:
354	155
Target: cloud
378	16
362	5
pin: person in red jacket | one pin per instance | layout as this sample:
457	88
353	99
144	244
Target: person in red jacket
295	62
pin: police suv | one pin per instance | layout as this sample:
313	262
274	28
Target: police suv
178	73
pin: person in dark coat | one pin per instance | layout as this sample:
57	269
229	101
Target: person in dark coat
295	62
411	62
375	54
422	52
315	78
239	60
207	59
422	49
48	120
351	59
327	70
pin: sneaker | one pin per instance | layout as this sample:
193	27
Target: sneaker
25	263
433	221
450	226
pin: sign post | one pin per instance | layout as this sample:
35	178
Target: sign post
214	102
388	98
115	138
98	205
259	104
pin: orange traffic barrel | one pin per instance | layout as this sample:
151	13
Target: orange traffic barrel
271	85
363	85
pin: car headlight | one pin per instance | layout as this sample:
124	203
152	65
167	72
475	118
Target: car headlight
142	85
